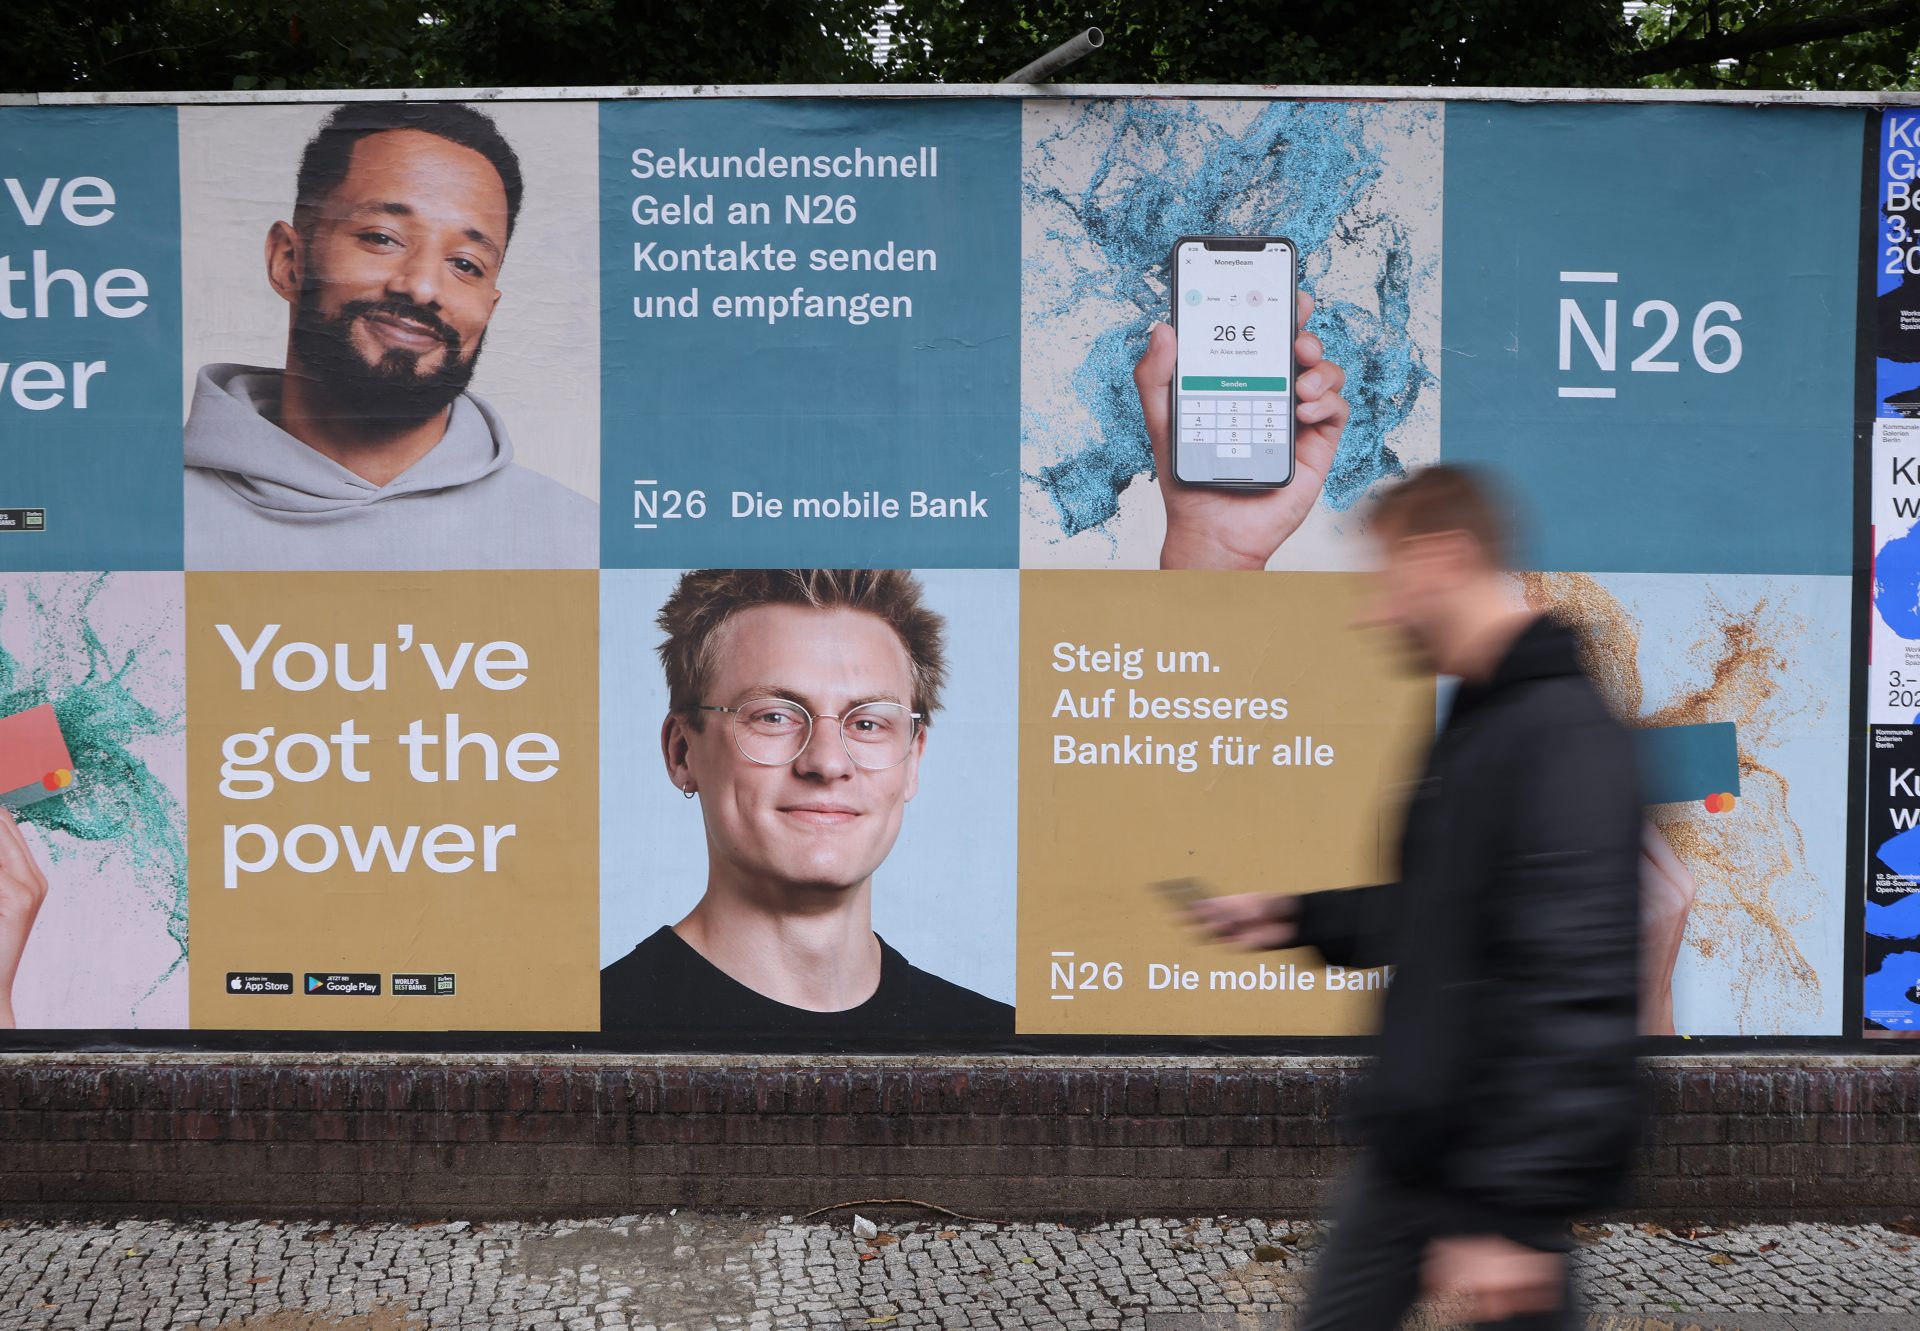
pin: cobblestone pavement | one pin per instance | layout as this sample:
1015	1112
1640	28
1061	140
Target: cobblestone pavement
694	1272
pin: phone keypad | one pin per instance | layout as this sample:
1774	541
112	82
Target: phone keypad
1233	426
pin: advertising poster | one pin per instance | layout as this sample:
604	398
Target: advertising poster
1200	725
1891	994
902	831
1737	687
814	573
1107	188
1896	268
1891	962
393	780
1893	690
93	768
383	367
811	304
89	338
1655	349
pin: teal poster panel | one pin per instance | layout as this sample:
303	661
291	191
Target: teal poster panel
1648	324
89	339
809	321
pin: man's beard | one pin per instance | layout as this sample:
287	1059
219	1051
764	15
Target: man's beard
391	394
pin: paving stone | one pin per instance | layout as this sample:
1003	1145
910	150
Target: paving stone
715	1273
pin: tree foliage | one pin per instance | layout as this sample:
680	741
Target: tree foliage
1840	45
178	45
1440	42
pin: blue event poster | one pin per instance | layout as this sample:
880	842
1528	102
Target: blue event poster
1896	267
90	463
1890	991
810	333
1650	331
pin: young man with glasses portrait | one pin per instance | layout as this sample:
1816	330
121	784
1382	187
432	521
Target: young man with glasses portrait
799	707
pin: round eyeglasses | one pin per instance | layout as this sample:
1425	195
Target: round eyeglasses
772	732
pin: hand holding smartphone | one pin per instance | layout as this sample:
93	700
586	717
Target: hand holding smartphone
1233	390
1254	921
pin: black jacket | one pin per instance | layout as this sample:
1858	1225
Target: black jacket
1506	1089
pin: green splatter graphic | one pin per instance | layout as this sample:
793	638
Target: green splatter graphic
116	800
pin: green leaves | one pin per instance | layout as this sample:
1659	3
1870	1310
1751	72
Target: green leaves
1439	42
181	45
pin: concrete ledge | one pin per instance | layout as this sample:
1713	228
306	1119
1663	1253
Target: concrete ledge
363	1136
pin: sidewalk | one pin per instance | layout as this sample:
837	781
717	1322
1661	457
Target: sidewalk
693	1272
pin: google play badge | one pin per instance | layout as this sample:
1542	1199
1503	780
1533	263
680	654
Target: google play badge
34	762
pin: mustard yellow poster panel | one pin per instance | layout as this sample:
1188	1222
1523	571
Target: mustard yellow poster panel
1237	728
393	781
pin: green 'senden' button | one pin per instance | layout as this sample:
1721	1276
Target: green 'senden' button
1207	383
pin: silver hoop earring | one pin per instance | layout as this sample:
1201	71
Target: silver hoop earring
687	790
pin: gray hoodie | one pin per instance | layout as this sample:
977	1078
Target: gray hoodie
258	498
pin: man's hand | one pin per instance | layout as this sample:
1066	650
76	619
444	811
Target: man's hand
1208	527
1255	921
22	888
1497	1277
1667	890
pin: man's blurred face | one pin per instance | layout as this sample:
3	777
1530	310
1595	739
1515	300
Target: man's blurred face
819	821
1411	591
399	275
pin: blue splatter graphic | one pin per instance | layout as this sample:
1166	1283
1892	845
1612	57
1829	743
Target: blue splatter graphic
1884	993
1900	920
1901	853
1164	169
1896	584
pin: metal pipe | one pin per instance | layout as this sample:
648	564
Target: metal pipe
1074	48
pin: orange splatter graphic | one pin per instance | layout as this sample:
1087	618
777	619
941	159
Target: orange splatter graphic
1749	861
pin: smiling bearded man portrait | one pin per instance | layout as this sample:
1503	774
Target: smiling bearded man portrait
368	452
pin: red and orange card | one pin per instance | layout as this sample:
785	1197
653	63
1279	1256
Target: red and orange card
34	762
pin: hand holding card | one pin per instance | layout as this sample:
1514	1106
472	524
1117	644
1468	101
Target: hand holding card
22	888
34	765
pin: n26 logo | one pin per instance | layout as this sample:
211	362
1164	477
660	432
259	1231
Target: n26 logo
1590	334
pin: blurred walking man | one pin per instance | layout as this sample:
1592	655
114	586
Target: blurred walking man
1505	1100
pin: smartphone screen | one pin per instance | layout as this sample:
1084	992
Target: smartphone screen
1233	311
1182	892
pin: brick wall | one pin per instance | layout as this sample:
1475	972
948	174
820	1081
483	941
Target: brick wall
426	1136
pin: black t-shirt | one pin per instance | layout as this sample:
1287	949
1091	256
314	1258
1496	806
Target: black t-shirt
664	988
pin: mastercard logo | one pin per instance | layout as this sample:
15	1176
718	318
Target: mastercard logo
58	779
1721	803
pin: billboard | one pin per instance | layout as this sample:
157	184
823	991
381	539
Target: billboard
709	572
